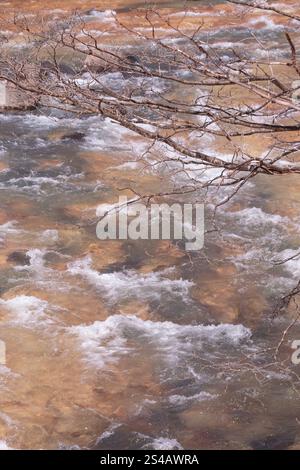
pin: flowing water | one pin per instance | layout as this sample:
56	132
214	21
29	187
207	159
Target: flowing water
136	345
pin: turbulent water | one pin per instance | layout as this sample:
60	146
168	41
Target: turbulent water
122	344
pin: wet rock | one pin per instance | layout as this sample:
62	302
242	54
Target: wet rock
74	136
78	214
279	441
213	425
196	418
106	253
133	59
49	67
163	254
19	258
217	292
103	63
56	260
79	425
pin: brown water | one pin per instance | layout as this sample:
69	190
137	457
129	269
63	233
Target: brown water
128	345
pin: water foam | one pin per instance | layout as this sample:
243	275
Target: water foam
9	228
291	265
163	443
256	216
42	184
182	399
129	283
4	445
107	340
104	16
26	310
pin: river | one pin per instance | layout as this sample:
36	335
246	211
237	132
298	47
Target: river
136	345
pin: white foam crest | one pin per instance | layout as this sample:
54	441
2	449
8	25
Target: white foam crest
43	276
6	372
100	344
104	341
269	23
164	443
40	184
86	81
182	399
41	120
291	265
26	310
104	16
36	258
255	256
130	165
130	283
256	216
102	209
4	445
189	13
108	433
50	235
105	133
44	122
8	229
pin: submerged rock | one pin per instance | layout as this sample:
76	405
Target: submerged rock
48	67
74	136
19	257
280	441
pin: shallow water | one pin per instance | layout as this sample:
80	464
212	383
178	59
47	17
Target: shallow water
114	345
